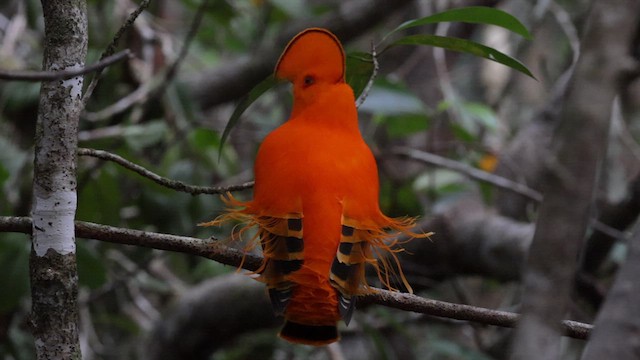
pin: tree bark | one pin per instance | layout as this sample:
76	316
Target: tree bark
571	175
616	333
54	279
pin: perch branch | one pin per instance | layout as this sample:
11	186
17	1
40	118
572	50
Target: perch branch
211	249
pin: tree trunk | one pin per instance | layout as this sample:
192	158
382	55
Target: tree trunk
573	164
54	279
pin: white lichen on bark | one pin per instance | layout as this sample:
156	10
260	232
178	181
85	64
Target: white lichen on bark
53	218
53	212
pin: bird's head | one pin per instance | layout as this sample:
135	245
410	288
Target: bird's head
314	56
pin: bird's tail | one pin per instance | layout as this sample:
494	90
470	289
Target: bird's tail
309	334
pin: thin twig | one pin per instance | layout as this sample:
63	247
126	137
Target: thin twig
474	173
566	24
112	47
35	76
229	256
374	74
169	183
193	30
137	96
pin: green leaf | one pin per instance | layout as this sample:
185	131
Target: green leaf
465	46
244	103
359	70
472	14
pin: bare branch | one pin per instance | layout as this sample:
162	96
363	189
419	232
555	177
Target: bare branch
409	302
566	24
193	29
169	183
63	74
137	96
214	250
473	173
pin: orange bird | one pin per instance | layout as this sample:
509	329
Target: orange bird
315	200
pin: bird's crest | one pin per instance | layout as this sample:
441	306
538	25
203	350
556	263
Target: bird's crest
313	51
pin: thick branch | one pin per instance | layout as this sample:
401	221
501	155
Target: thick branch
470	239
229	256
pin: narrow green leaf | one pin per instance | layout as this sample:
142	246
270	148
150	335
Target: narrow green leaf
359	70
465	46
472	14
244	103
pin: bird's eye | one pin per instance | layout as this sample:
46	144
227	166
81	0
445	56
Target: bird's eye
309	80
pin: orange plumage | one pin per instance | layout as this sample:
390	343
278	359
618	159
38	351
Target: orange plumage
315	199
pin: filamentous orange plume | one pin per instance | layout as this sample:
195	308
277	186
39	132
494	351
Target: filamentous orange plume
315	200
